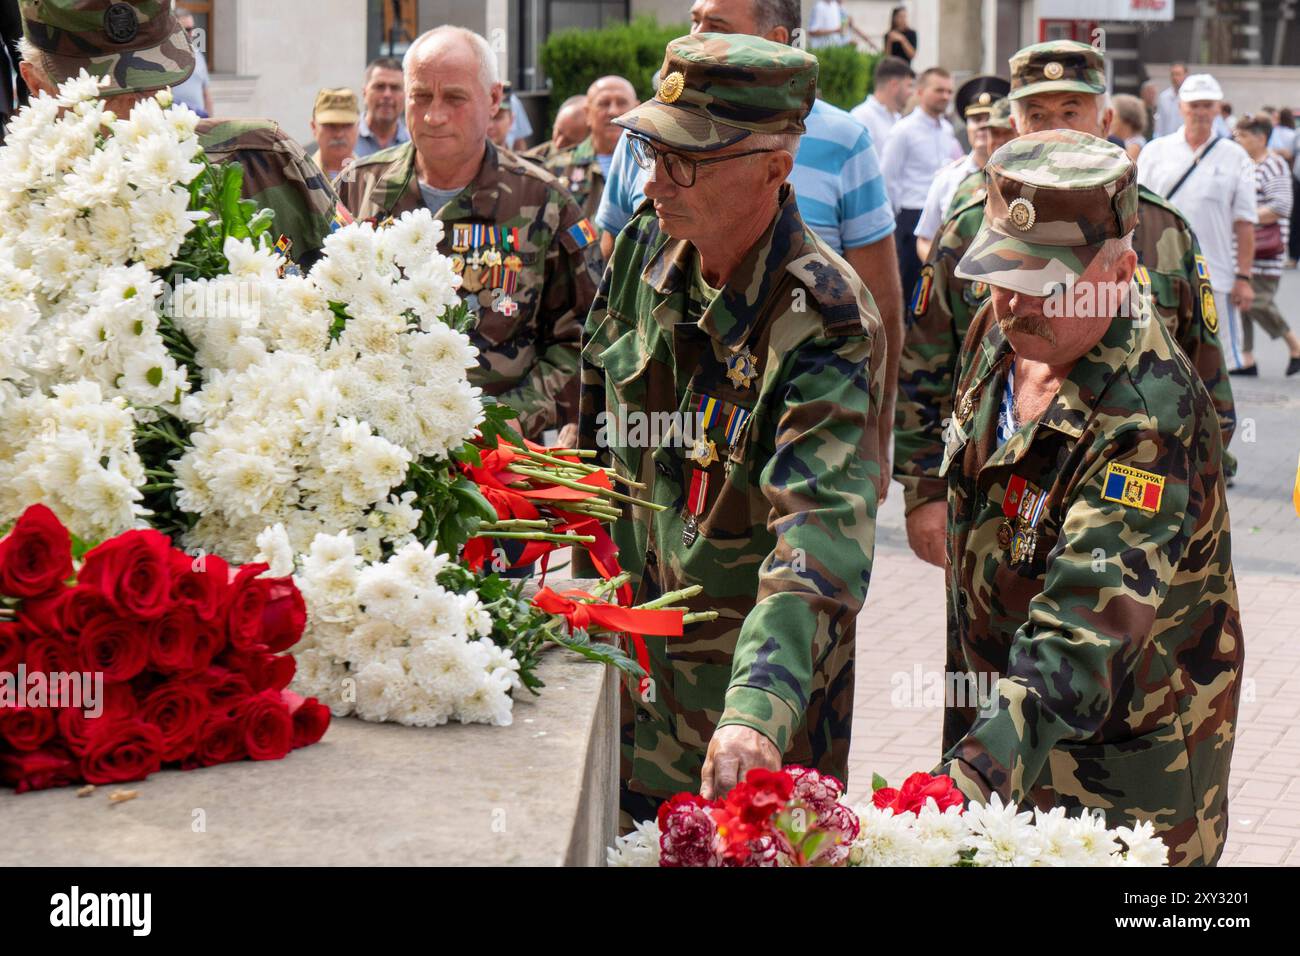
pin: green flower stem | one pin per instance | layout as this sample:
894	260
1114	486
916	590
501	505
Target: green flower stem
672	597
514	523
541	536
602	492
695	617
573	453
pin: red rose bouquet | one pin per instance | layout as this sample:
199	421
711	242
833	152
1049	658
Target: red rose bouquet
141	658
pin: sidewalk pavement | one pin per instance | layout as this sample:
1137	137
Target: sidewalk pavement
902	628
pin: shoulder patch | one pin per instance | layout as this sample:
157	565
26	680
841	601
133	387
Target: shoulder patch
832	292
921	294
1133	487
1143	277
1209	313
583	233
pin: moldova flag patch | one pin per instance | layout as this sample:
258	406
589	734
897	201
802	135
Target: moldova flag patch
1202	270
583	233
1133	487
921	294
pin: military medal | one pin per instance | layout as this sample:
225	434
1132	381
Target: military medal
1006	533
457	263
1030	511
695	506
741	368
507	306
472	277
492	257
1016	487
460	238
704	453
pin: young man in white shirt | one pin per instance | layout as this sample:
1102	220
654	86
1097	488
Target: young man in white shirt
920	145
891	89
1212	182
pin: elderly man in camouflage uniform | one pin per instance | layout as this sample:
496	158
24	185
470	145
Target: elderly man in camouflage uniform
742	324
526	256
1090	574
582	169
1055	85
139	48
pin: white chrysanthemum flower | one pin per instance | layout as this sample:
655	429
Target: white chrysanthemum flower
247	262
1097	844
638	848
155	162
1000	835
939	835
1145	848
883	838
273	548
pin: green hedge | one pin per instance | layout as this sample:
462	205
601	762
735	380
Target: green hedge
844	75
573	59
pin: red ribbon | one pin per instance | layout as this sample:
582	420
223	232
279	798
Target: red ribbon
631	621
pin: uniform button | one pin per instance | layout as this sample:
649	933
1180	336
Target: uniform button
642	717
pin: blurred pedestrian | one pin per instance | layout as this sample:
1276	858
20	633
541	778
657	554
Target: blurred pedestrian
383	125
1128	128
13	90
196	92
1168	114
900	40
1273	195
502	120
521	128
891	85
569	129
1212	182
1282	139
1149	93
920	145
334	122
830	25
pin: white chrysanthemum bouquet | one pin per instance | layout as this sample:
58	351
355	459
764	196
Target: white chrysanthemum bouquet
161	364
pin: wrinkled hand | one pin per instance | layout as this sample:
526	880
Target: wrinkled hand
927	527
1243	294
568	436
733	752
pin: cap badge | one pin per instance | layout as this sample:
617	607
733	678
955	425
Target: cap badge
672	87
985	99
1053	71
1021	213
121	23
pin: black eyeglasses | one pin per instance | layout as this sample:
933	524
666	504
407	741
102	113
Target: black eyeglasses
681	169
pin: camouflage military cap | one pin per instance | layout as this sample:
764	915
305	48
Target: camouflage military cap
1054	198
1057	66
718	88
999	114
976	96
138	45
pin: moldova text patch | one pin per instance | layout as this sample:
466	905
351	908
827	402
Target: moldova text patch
1133	487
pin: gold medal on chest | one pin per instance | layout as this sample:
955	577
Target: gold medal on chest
741	368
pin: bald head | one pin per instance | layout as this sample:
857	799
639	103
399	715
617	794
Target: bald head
607	99
570	127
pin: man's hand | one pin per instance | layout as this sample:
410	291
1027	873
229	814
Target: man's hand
568	436
1243	294
927	527
733	752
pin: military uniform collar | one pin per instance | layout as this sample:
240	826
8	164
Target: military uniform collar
1077	397
731	316
479	198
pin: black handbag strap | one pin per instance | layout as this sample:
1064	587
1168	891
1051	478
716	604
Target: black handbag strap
1192	168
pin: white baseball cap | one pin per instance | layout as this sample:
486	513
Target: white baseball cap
1200	86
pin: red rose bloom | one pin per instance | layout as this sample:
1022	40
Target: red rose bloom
26	728
50	766
220	741
133	571
172	640
285	614
119	704
225	688
114	646
267	726
122	750
80	606
247	602
43	617
36	556
13	645
310	718
178	710
49	655
263	670
201	583
916	789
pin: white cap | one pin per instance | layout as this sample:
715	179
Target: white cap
1199	86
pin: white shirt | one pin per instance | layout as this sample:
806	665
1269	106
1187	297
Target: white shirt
1219	193
940	194
827	15
918	147
878	118
1168	116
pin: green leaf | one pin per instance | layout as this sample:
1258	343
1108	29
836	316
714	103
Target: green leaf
878	782
80	547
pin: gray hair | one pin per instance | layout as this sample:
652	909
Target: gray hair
770	14
487	60
786	141
38	58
